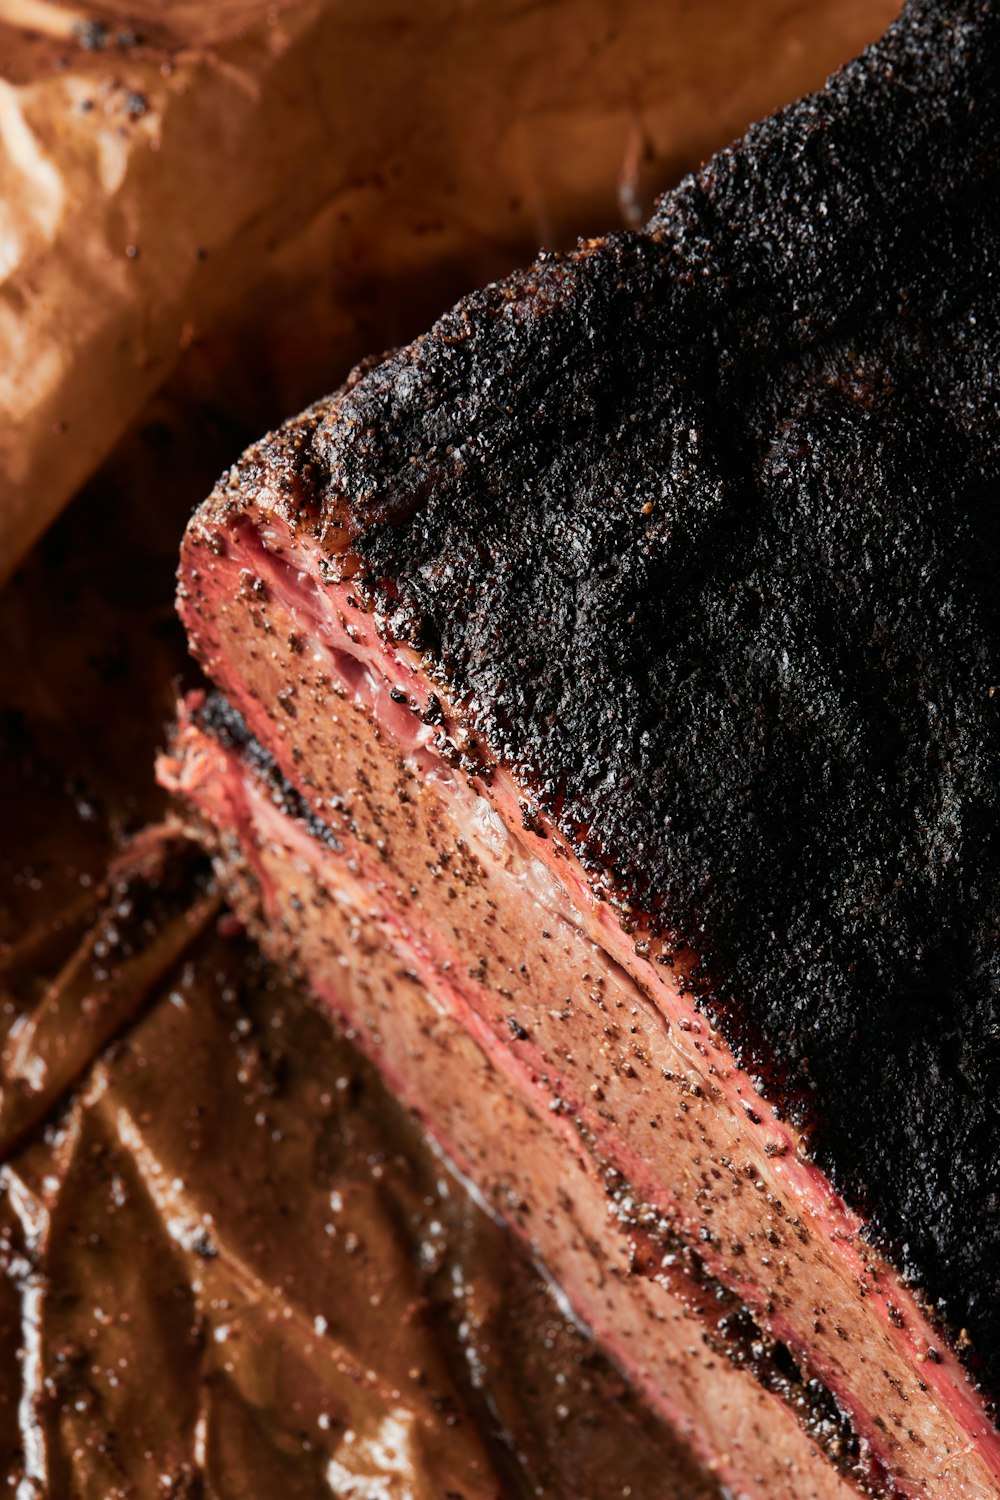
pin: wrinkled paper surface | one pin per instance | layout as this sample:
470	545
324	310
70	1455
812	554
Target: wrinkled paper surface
167	168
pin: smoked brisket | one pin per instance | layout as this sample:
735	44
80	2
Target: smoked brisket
685	546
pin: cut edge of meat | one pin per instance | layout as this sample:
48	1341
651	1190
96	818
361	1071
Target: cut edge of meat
268	841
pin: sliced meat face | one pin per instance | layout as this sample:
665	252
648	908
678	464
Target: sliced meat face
695	1351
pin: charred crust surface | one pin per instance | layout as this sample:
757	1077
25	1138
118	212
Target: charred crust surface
701	522
217	717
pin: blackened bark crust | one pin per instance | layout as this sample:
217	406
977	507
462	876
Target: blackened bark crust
703	523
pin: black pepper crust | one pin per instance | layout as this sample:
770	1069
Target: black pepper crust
702	523
218	718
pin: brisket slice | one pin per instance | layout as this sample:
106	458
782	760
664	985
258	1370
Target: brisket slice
661	578
494	1083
